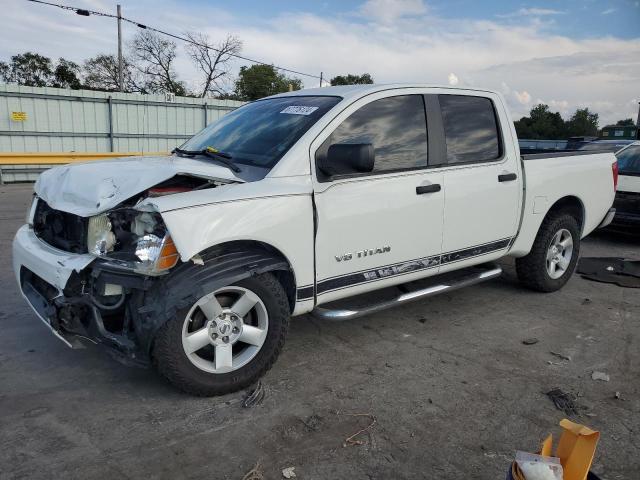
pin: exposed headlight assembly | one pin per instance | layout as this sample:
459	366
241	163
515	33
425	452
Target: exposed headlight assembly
133	240
100	238
156	254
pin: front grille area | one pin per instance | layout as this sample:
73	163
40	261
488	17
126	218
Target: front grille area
61	230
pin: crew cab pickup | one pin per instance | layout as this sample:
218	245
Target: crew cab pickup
295	204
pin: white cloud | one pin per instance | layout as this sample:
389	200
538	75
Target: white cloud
531	12
508	56
453	79
387	11
523	97
609	11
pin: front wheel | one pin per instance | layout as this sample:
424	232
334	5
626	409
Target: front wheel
554	254
226	339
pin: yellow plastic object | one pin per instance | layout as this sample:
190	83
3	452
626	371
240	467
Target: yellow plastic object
576	449
547	443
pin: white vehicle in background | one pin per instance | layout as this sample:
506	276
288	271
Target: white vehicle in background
294	204
627	202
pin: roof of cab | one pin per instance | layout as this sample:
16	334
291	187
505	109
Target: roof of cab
352	91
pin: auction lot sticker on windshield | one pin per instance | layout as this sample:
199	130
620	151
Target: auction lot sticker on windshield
299	110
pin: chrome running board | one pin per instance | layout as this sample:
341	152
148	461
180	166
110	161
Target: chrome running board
439	284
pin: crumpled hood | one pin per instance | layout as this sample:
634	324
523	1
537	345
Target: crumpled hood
91	188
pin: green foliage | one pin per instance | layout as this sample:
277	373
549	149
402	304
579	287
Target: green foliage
351	79
67	75
627	122
542	124
583	123
260	81
30	69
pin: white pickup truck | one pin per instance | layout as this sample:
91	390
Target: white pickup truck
294	204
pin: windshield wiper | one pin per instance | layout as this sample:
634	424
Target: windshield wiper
211	152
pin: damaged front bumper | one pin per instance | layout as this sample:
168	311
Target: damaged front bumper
58	285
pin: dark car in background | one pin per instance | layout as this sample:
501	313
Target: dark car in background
604	145
627	202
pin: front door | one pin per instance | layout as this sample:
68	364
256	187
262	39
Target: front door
385	227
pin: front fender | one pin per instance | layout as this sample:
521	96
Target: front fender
285	222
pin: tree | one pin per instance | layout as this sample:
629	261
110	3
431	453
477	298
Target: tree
67	75
583	123
30	69
351	79
156	56
260	81
541	124
101	73
212	60
627	122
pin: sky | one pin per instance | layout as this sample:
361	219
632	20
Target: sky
568	54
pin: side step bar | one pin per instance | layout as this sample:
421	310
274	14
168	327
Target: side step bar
439	285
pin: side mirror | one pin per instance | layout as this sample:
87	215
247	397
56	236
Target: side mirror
346	158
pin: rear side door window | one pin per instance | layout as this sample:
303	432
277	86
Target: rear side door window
395	126
470	128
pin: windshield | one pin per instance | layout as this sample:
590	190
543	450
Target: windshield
261	132
629	160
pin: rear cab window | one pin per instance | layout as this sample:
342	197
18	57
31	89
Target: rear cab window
395	126
471	130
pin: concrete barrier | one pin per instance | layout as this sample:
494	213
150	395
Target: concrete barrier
25	167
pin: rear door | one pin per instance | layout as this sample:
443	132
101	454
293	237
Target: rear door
380	228
482	180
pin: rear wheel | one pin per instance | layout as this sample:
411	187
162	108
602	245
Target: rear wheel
226	339
554	254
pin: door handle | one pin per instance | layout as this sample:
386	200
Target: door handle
434	187
507	177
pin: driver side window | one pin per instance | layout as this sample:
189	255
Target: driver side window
395	126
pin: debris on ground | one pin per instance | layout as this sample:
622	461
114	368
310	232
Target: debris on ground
255	473
620	271
255	396
312	423
617	395
352	439
530	341
600	376
560	355
289	472
565	402
586	301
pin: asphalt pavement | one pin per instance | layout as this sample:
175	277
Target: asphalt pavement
453	390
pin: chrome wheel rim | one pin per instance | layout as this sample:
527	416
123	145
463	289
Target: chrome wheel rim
559	253
225	330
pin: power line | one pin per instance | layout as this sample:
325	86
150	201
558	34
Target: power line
85	12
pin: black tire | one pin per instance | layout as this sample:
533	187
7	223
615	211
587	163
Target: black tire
532	269
171	361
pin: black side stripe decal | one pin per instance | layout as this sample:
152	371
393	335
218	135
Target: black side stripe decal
304	293
402	268
352	279
475	251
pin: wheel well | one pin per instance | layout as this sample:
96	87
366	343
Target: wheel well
571	205
286	277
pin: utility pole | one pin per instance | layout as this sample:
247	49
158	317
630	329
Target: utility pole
320	79
120	62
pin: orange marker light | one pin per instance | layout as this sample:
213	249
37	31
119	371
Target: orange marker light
168	255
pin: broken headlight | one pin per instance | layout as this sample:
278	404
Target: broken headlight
100	238
135	240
